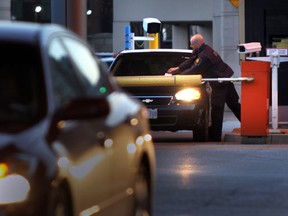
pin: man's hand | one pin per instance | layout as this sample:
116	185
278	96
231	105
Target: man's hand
171	70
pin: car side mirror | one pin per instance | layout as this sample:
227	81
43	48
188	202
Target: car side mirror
88	108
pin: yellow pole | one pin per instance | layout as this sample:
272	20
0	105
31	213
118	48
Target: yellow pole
159	80
154	44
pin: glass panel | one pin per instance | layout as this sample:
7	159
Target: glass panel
20	83
276	28
89	72
31	10
148	63
65	83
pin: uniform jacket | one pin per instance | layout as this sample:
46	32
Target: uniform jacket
207	62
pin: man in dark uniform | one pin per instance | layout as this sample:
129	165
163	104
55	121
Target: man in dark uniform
209	64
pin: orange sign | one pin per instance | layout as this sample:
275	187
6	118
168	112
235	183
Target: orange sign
235	3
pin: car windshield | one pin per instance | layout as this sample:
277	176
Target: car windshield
19	84
137	64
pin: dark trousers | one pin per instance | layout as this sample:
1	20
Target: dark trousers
222	93
232	100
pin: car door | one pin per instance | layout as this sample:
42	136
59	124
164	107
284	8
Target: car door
126	158
81	142
121	132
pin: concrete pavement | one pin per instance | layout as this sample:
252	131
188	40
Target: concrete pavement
232	133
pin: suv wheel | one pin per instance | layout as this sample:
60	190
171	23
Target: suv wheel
201	134
60	204
142	193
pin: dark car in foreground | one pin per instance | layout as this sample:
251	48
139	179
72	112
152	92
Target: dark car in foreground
71	142
171	107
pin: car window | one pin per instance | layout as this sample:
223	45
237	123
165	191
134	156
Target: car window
65	83
20	84
138	64
89	70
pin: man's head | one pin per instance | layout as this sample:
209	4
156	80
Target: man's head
196	41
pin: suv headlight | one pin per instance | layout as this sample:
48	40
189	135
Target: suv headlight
14	178
14	188
188	94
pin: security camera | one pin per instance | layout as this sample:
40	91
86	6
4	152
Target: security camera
249	47
151	25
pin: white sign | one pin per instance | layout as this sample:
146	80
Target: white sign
278	52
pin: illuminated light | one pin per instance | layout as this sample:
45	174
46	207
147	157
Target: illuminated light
89	12
3	169
185	176
38	9
140	140
60	149
134	121
185	169
145	113
102	90
91	211
188	94
147	137
131	148
61	124
100	135
129	191
82	170
63	162
108	143
14	188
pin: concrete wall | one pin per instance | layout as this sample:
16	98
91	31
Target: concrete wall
217	20
175	12
103	41
226	32
5	10
226	36
165	10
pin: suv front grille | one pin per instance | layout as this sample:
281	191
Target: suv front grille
155	100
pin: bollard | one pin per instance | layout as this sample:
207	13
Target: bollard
154	44
128	41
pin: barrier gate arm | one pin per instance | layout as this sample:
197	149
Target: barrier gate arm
160	80
231	79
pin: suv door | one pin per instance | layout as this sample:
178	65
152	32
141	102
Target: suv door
83	140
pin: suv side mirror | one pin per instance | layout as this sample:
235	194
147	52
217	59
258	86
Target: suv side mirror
87	108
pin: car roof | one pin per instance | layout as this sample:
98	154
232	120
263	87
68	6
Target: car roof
156	51
25	31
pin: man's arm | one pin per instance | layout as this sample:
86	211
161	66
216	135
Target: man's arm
183	66
201	66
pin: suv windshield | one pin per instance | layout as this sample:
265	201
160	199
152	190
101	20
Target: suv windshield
147	63
19	85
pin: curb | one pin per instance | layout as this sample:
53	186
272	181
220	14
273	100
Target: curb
272	138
